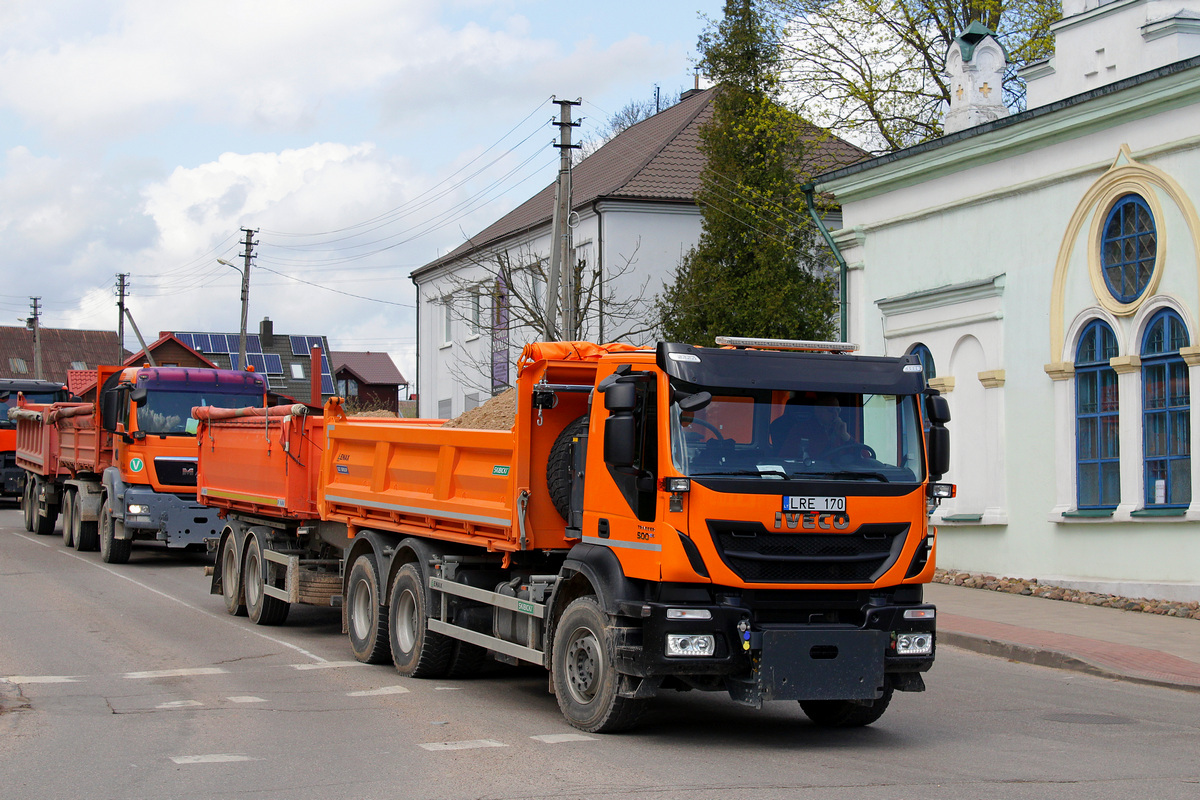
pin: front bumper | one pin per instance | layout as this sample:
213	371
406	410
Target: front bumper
177	520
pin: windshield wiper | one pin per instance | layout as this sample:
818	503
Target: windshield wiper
758	473
841	473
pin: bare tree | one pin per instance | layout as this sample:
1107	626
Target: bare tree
501	297
631	114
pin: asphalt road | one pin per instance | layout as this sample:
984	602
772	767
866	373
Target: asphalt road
131	681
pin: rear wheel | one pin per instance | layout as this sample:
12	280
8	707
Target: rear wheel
29	502
261	608
112	549
44	518
231	579
366	618
585	677
87	537
846	713
467	660
70	518
416	651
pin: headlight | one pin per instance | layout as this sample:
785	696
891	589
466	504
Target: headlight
690	644
914	644
677	484
137	508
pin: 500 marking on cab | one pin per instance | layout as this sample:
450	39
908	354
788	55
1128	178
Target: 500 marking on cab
814	504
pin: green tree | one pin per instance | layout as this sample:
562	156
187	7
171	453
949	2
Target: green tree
873	71
757	269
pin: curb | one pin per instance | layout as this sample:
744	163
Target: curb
1054	659
11	698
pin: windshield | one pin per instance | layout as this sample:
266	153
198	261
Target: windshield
9	400
168	412
777	434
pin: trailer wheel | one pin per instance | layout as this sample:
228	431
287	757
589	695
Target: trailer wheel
416	651
846	713
112	549
27	502
262	609
69	519
366	618
231	579
87	537
468	659
585	677
43	520
558	466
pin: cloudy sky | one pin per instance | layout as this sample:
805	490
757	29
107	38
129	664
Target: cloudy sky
362	138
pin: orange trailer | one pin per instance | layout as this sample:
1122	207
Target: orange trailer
751	518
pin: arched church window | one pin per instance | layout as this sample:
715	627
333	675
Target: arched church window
1097	416
1128	248
1166	411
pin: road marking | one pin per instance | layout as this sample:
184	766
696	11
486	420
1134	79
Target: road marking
214	758
174	599
180	704
42	679
378	692
327	665
470	744
245	699
175	673
559	738
447	688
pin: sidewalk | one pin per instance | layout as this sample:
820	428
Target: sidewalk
1128	645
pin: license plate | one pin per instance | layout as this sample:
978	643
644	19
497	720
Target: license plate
814	504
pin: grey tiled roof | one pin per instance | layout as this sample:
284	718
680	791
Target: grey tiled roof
60	347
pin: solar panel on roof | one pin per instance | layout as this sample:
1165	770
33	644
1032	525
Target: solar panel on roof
299	345
253	343
200	342
234	361
325	365
326	384
274	364
186	338
257	361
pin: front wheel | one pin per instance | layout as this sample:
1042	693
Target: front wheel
416	651
585	677
260	607
112	549
231	579
366	618
846	713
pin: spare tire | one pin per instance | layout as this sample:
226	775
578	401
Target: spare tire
558	466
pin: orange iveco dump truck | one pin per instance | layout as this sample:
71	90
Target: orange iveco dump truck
12	477
749	518
125	468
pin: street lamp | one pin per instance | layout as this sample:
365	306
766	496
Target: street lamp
245	303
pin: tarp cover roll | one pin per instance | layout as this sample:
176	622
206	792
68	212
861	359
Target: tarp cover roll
569	351
56	413
214	413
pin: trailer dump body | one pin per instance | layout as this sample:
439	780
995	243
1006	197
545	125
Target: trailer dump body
34	392
745	520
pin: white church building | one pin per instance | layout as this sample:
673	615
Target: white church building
1046	266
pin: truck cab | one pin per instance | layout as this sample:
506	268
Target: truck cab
12	477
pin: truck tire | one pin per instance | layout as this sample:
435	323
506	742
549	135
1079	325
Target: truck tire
558	466
585	677
231	579
43	519
87	537
262	609
467	660
29	502
846	713
366	619
112	549
69	519
416	651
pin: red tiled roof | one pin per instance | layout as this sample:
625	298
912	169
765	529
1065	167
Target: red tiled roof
60	347
368	367
656	160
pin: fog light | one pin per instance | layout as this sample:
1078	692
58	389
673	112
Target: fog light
688	613
690	644
677	484
914	644
135	508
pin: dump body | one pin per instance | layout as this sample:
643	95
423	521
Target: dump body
62	439
12	391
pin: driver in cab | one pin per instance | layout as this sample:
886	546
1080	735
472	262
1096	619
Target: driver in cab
810	424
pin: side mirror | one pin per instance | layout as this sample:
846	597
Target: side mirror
621	397
937	451
695	402
108	410
138	395
620	440
937	409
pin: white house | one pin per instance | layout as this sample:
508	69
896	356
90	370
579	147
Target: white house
633	218
1047	267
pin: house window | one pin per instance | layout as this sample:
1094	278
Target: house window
18	365
297	372
348	387
476	310
1166	408
470	401
79	365
444	408
1097	443
926	357
1128	248
447	320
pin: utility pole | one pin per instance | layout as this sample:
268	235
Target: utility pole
34	323
560	252
122	287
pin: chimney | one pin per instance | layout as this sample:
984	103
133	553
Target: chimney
975	65
266	332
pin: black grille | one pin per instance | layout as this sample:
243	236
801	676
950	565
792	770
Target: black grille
175	472
757	555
